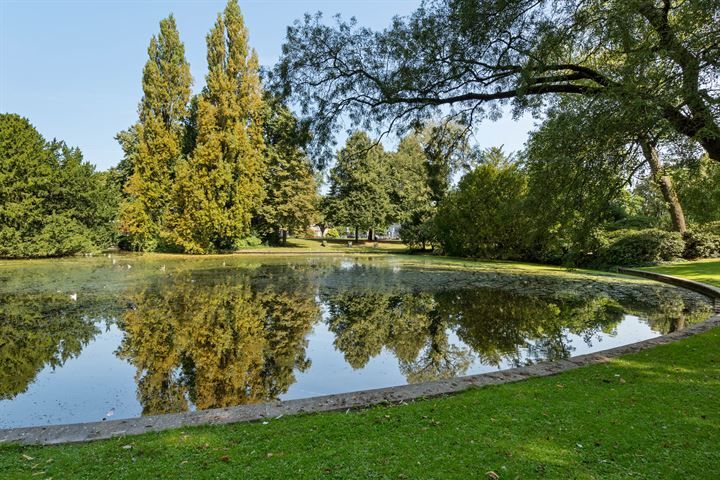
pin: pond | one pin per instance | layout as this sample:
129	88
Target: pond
121	336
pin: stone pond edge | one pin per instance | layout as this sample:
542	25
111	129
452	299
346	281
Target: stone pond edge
84	432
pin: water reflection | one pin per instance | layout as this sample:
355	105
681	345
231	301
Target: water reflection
203	335
215	346
38	331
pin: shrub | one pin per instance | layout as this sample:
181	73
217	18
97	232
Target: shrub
484	217
634	222
251	241
637	247
701	244
332	233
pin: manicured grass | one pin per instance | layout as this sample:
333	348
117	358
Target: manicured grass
333	245
650	415
706	271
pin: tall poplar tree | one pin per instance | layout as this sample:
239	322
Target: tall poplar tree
156	138
220	186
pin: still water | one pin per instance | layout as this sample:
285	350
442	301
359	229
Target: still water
123	336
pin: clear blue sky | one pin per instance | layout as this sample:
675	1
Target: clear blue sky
74	67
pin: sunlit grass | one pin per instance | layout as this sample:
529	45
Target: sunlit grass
648	415
706	271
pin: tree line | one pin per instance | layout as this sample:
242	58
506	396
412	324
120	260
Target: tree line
622	167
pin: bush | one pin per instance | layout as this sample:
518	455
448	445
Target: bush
251	241
634	222
637	247
483	217
701	244
332	233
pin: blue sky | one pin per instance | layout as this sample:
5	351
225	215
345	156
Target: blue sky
74	67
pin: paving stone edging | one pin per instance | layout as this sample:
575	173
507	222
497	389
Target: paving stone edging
83	432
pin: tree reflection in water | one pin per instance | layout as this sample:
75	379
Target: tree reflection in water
215	345
204	337
39	330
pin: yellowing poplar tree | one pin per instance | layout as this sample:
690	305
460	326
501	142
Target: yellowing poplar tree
157	138
220	186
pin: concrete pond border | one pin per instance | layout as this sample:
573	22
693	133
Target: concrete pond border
84	432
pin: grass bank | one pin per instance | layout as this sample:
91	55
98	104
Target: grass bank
648	415
332	245
706	271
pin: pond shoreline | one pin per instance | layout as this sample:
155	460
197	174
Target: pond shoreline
83	432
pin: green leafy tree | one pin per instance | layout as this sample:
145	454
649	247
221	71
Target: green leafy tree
411	192
154	144
220	186
656	59
291	201
484	216
51	202
360	185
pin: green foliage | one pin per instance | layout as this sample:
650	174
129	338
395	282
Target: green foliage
332	233
219	186
700	244
51	202
360	185
699	189
484	216
251	241
291	200
637	247
655	61
154	144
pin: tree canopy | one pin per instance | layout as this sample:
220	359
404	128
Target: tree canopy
656	59
51	202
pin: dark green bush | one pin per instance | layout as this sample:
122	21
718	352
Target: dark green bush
701	244
637	247
484	217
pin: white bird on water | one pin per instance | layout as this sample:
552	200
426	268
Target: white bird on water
73	297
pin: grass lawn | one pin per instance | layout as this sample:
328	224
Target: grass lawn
332	245
650	415
706	271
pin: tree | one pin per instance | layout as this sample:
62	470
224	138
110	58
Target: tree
220	186
359	186
291	200
699	189
411	192
656	59
51	202
484	216
154	144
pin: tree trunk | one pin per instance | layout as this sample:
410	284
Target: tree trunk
666	185
357	237
371	235
284	236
